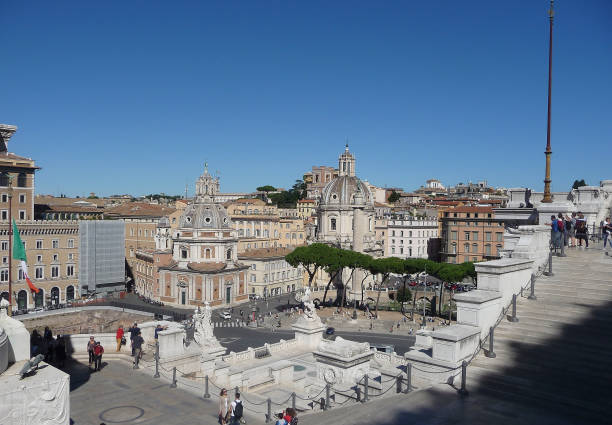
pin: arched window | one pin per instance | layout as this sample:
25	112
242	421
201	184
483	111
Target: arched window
39	299
453	248
22	300
474	248
70	293
228	254
22	180
466	247
332	223
183	252
55	295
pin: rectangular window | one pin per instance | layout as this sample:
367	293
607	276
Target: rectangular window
4	215
55	244
70	271
39	244
22	215
487	249
4	275
22	198
499	236
54	271
20	274
474	236
453	235
4	197
39	258
71	257
4	260
467	236
70	243
488	236
132	231
39	273
4	245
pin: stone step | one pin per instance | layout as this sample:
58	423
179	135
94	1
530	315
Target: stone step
571	407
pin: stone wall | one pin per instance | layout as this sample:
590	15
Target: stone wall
84	320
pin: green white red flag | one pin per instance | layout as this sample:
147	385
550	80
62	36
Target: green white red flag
19	253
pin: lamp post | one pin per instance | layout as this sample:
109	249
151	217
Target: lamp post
10	241
547	198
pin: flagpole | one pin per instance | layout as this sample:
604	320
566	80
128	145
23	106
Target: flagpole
10	257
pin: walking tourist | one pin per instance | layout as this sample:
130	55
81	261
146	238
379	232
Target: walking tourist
60	351
236	410
607	231
281	419
137	347
582	230
572	230
223	411
293	414
119	337
555	233
98	351
90	349
134	330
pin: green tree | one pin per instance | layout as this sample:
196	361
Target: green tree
266	188
403	295
394	197
578	183
311	257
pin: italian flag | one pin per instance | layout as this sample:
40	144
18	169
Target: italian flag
20	254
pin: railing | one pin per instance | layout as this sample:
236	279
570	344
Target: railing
330	396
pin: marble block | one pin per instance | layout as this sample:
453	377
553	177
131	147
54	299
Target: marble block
171	343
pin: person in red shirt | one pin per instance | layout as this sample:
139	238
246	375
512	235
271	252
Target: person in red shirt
119	337
98	351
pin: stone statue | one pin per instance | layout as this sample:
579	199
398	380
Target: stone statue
527	197
203	325
310	313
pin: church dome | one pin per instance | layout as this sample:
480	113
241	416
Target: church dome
205	216
342	190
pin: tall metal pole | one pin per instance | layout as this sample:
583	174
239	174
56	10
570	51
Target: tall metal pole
547	198
10	256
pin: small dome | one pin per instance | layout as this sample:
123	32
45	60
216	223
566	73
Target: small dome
342	190
205	216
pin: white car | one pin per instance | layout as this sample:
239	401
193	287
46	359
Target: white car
226	315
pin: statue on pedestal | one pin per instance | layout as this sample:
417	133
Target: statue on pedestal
310	313
203	334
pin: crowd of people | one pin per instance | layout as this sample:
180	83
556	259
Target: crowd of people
573	231
53	349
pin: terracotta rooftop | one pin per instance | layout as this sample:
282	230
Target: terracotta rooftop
265	253
478	209
206	267
307	201
139	209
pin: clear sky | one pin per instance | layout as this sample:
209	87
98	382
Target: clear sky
133	96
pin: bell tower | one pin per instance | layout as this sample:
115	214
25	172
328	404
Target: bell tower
346	163
207	186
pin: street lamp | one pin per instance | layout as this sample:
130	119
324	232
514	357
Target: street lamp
10	256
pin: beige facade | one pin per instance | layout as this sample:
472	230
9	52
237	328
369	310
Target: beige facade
470	234
291	232
257	224
52	250
146	264
317	179
269	274
307	208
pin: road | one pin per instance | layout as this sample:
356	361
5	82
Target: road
239	339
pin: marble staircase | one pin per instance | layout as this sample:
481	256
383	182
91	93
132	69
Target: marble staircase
558	357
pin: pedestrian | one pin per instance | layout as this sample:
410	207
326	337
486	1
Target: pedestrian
60	351
158	329
582	230
90	349
572	230
281	419
607	231
236	410
137	347
98	351
119	337
293	414
134	330
223	411
555	234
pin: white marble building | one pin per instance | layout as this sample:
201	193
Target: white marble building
408	236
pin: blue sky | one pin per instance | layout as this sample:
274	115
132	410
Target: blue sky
133	96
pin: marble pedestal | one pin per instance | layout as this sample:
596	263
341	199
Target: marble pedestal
308	333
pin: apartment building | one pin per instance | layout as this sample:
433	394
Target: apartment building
409	236
470	233
269	274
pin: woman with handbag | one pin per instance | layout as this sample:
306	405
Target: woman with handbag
119	336
223	405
